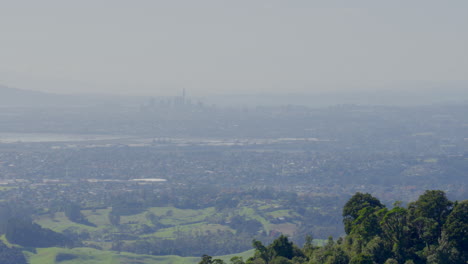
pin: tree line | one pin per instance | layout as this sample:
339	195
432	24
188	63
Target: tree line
431	230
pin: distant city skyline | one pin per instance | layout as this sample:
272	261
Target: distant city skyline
231	47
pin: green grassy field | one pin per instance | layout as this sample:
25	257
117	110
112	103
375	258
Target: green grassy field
94	256
59	222
167	223
279	213
98	217
171	215
172	221
191	228
252	214
183	220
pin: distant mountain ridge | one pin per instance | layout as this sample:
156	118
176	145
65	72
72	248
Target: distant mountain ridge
18	97
14	97
419	94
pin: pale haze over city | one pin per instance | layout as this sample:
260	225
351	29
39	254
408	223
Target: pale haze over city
228	47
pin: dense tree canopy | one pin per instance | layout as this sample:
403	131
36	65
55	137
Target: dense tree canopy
431	230
456	226
11	255
351	210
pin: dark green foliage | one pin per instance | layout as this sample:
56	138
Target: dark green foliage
456	227
206	259
226	201
308	247
209	260
330	254
339	256
192	244
114	218
11	255
73	213
13	211
237	260
28	234
432	205
263	253
395	228
281	260
352	208
282	247
378	249
152	218
367	223
297	252
64	257
122	206
361	259
281	250
241	224
427	232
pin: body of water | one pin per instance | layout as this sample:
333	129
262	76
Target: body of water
48	137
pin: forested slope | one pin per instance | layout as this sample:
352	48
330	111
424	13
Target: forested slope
431	230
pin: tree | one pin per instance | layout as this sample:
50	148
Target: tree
151	217
281	260
237	260
262	252
308	247
339	256
443	252
395	227
29	234
425	230
378	249
206	259
367	224
361	259
356	204
283	247
378	235
456	228
73	213
433	204
11	255
114	218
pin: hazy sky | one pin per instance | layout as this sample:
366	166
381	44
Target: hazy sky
158	47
